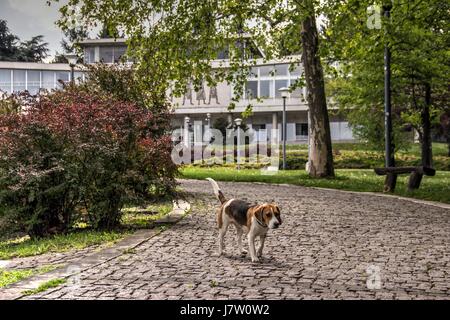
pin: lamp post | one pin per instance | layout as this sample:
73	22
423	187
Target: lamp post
389	161
391	178
284	94
72	58
238	122
208	130
186	131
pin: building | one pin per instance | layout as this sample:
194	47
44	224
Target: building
21	76
201	108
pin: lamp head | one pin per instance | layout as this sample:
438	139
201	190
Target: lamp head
238	121
72	58
284	92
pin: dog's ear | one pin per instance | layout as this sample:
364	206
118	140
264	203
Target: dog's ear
258	212
276	207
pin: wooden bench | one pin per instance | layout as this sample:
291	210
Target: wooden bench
416	174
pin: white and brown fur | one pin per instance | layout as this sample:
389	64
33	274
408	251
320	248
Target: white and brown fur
254	220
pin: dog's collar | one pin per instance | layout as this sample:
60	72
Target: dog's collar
260	223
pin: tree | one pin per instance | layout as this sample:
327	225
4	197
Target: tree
34	50
176	41
8	43
418	37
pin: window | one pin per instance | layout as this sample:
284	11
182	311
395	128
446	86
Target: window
301	129
223	53
281	69
78	77
89	55
107	54
297	93
33	81
62	76
278	85
258	127
251	89
254	72
264	81
295	70
266	89
118	53
266	71
48	80
19	83
5	80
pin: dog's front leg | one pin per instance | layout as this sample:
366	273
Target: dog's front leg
239	233
251	246
262	239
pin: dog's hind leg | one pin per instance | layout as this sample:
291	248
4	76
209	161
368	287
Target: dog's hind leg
222	233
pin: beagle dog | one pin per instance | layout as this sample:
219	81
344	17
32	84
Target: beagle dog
254	220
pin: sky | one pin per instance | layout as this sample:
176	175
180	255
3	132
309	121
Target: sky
28	18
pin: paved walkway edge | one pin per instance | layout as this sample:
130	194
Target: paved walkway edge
419	201
15	291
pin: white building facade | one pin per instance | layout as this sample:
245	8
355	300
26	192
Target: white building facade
196	108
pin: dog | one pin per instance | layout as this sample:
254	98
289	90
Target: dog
254	220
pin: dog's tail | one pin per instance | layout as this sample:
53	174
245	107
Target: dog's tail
217	191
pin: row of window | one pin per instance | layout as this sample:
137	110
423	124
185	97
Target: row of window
33	80
301	129
106	54
265	81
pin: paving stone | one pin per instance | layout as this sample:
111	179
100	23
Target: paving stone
325	249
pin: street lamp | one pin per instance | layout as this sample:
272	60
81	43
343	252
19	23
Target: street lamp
72	59
387	96
186	131
208	123
391	178
284	94
238	122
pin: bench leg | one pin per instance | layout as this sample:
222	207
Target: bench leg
414	180
389	182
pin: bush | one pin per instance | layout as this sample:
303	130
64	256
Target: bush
75	153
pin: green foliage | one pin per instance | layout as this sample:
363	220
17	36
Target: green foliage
178	44
418	38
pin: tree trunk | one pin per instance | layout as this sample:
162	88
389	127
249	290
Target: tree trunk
320	152
448	145
427	154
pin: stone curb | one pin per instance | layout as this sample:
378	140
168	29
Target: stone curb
419	201
15	291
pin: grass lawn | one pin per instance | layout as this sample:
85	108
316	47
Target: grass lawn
45	286
82	237
348	156
435	188
8	277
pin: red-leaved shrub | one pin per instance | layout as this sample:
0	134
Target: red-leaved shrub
75	152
